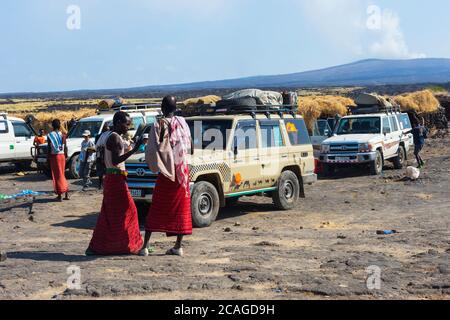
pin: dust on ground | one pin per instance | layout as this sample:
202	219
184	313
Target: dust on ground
320	250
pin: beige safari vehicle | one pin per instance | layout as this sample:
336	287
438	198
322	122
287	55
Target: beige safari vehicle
236	154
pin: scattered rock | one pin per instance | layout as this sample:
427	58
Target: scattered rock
267	244
227	229
341	236
31	218
237	224
237	287
443	269
433	252
255	228
3	256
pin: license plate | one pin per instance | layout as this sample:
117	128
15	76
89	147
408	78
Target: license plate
342	159
136	193
41	160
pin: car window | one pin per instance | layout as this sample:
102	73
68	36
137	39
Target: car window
245	135
361	125
150	119
297	132
21	130
321	128
80	127
209	134
271	134
136	123
4	127
386	126
405	123
394	125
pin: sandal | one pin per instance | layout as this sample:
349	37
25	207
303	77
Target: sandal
145	252
175	252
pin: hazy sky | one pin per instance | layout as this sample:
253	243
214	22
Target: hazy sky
126	43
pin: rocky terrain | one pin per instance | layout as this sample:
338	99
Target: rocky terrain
324	249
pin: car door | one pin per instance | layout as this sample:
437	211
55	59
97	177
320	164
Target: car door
389	144
6	141
321	132
245	165
23	139
274	153
405	126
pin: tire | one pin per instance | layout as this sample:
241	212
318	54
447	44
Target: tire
399	160
205	204
376	167
74	167
328	170
288	191
238	104
231	202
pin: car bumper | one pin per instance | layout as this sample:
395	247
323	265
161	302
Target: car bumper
309	178
353	158
143	192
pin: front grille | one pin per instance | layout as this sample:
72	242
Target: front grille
140	173
344	148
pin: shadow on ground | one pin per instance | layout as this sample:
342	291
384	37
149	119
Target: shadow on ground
86	222
49	256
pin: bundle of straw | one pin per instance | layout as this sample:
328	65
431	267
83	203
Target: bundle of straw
315	107
418	102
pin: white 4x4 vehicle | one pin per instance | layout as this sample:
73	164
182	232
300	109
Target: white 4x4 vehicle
369	139
140	116
16	140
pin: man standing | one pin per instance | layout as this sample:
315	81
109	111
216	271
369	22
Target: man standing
57	155
420	133
87	156
117	230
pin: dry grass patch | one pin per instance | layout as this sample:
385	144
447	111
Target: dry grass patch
420	102
315	107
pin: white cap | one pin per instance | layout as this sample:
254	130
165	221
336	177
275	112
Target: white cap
86	133
145	136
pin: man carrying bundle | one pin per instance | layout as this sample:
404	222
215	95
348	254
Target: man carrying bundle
117	230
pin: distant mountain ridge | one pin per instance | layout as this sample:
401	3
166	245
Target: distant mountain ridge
364	73
369	72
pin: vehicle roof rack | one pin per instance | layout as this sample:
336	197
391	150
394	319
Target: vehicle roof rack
132	107
267	110
371	109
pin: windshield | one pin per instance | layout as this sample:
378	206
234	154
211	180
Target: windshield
210	134
366	125
93	126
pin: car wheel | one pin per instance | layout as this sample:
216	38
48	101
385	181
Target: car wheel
205	204
74	167
376	166
399	160
288	191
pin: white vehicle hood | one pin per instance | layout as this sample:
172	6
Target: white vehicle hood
353	138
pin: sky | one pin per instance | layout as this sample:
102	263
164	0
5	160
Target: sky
58	45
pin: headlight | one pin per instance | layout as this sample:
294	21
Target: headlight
364	147
325	148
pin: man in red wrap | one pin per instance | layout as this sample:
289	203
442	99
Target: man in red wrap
117	230
57	155
167	150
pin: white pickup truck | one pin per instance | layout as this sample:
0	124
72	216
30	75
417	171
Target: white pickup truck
16	140
368	139
140	115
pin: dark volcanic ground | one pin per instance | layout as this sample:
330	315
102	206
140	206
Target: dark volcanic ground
321	250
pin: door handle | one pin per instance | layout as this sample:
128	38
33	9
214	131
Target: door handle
284	156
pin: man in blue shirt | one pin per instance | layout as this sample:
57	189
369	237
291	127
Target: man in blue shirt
419	132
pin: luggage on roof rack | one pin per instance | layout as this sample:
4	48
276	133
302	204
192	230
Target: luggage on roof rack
373	103
233	109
